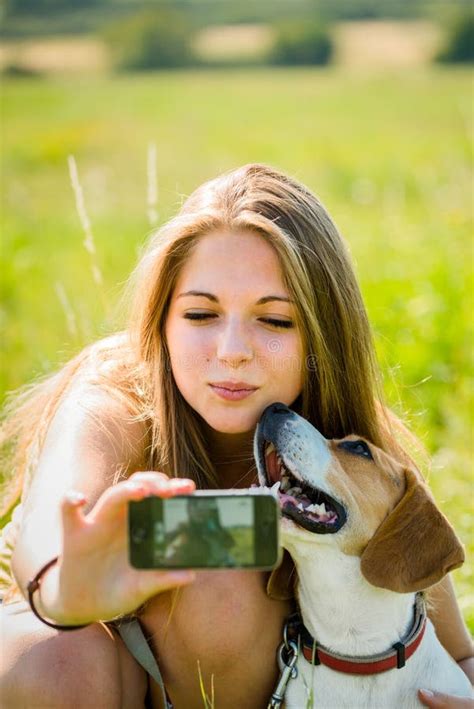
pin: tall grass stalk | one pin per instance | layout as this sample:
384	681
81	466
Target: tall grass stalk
71	321
89	242
208	702
309	690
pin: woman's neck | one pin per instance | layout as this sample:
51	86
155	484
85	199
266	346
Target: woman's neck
232	456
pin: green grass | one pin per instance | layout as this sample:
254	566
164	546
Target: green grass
388	154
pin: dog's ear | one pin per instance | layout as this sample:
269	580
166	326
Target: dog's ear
415	546
281	582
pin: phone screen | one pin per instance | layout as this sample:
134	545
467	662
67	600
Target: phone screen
204	531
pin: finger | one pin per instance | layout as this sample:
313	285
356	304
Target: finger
438	700
153	582
159	482
113	502
72	510
181	486
161	488
148	475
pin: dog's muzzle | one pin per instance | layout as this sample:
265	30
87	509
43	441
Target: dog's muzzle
301	502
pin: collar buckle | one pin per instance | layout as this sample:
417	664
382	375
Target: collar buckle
401	659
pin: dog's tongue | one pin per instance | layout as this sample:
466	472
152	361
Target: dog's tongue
273	468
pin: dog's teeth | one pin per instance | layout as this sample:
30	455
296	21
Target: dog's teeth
275	487
270	449
317	509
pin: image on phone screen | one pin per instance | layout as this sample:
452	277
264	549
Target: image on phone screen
210	532
204	531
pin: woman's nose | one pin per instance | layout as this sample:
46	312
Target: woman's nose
234	345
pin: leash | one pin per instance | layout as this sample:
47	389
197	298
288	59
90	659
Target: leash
287	656
296	636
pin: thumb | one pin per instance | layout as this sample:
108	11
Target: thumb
152	582
72	510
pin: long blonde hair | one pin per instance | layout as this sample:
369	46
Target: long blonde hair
341	392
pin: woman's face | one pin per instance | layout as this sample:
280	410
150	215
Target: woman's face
231	332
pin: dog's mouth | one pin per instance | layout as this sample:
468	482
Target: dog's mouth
308	506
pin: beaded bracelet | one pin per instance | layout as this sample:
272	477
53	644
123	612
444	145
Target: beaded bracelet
33	586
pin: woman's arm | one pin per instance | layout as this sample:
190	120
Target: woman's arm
449	625
454	636
91	441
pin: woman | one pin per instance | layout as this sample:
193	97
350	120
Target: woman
250	288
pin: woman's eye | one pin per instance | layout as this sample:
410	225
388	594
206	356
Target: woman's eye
269	321
278	323
198	316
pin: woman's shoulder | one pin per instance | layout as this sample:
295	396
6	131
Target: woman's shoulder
108	354
96	404
108	374
106	391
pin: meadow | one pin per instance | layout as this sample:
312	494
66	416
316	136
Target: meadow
389	155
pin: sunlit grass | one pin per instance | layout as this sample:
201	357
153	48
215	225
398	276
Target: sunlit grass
208	701
388	155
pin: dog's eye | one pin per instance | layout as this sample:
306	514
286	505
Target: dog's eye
357	447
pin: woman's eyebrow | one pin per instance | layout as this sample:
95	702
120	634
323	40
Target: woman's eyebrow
215	299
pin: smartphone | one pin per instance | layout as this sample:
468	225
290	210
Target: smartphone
210	529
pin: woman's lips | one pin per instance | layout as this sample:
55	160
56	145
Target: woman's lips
234	393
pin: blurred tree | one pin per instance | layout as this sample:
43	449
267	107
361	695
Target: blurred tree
43	17
460	40
301	43
151	39
19	7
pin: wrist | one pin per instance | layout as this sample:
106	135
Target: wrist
46	595
43	595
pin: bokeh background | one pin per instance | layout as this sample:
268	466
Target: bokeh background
369	102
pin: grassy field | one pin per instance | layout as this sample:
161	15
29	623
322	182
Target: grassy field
388	154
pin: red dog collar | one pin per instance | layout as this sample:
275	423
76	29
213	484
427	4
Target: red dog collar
395	657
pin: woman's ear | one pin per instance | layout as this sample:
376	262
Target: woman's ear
415	546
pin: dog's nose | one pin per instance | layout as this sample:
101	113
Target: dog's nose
279	409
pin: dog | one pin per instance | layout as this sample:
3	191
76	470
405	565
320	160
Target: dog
366	537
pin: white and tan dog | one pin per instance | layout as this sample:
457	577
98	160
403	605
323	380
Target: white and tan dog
365	535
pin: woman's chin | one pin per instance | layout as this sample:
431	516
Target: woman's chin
232	424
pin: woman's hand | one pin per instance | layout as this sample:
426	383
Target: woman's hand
93	579
437	700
